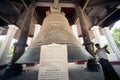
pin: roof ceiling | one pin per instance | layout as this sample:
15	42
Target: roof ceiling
97	12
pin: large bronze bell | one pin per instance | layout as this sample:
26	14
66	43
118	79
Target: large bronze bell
55	29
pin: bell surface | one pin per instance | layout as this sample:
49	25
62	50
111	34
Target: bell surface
55	29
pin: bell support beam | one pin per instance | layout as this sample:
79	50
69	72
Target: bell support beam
92	64
21	19
21	44
15	69
87	42
23	15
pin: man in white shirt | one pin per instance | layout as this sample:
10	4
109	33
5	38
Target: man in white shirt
108	70
101	52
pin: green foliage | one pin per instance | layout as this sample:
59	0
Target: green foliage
1	43
10	50
116	36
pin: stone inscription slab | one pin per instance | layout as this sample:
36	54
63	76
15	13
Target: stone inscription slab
53	62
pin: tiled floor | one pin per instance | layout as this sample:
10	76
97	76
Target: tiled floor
76	72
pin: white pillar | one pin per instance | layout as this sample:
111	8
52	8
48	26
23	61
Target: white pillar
96	32
37	30
75	31
1	30
111	42
81	41
6	44
30	40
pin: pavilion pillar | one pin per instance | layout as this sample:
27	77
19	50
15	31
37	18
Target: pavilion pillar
6	44
16	69
96	32
111	42
37	30
92	64
75	31
1	30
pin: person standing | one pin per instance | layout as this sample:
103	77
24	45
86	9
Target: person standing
108	70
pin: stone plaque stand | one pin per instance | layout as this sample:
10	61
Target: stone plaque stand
53	62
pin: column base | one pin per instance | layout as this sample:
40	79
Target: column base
12	70
93	65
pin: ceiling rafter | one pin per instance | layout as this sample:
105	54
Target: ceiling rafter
101	4
5	20
24	4
18	11
107	16
48	4
85	5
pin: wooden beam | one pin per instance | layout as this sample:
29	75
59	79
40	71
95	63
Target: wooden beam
76	20
48	4
18	11
101	4
19	4
24	4
118	7
21	19
91	12
27	8
86	3
88	21
5	20
106	17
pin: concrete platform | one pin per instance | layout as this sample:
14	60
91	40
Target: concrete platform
76	72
